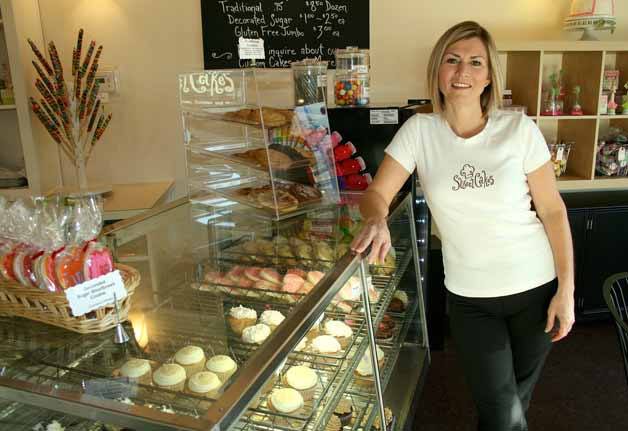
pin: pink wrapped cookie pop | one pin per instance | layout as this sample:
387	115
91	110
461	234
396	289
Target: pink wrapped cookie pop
97	261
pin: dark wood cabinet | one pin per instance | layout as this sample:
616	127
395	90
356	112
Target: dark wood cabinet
599	226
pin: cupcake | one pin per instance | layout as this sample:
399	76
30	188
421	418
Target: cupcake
326	345
303	379
204	384
241	317
138	371
256	334
340	331
399	302
334	424
285	400
363	374
344	412
385	328
302	345
272	318
170	376
223	366
192	358
315	330
377	424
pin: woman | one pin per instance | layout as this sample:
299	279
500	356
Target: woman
508	269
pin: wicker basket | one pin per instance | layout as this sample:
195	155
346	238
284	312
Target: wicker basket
51	308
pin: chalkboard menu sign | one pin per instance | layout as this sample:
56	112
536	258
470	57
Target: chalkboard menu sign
291	29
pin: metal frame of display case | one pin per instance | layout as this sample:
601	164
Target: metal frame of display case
44	389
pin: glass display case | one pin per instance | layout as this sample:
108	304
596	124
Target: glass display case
210	278
246	141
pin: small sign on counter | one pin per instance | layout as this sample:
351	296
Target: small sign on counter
96	293
384	116
251	49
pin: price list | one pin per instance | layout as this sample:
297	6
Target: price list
291	29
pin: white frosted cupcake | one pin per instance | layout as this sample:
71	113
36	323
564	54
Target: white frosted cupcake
192	358
204	384
223	366
364	372
302	345
285	400
138	371
325	344
256	334
315	330
272	318
340	331
170	376
303	379
241	317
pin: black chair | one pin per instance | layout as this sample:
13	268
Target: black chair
616	297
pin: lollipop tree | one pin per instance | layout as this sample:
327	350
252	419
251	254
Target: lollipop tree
70	111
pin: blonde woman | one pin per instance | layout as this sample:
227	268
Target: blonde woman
508	269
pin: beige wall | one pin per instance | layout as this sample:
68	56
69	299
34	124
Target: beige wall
151	41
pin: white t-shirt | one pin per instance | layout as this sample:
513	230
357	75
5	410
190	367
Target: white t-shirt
477	190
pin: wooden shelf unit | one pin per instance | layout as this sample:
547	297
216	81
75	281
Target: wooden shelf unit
527	66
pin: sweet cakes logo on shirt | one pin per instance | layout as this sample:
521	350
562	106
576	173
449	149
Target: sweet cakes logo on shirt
470	178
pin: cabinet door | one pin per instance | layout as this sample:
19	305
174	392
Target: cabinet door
577	223
607	236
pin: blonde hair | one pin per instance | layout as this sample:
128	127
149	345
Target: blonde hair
491	98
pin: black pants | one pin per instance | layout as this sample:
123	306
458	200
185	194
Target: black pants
502	347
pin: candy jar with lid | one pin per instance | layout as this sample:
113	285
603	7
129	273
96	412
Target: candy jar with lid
576	109
352	83
310	81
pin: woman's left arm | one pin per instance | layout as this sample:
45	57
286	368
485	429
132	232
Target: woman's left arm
551	210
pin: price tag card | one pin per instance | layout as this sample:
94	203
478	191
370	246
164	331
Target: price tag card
95	293
251	49
384	116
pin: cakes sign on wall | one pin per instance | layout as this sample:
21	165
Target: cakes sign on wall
291	30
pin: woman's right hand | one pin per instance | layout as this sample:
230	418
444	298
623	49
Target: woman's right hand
375	231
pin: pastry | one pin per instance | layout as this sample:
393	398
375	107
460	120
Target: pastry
363	374
325	345
351	290
285	400
377	424
304	193
170	376
399	302
324	252
205	384
315	330
285	201
385	328
192	358
271	275
223	366
302	345
388	266
252	273
344	412
314	277
241	317
256	334
137	370
340	331
292	283
272	318
334	424
303	379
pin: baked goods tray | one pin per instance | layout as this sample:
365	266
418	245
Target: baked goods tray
378	312
22	417
248	192
284	160
247	115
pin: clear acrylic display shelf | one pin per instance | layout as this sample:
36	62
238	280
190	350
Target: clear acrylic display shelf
246	142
